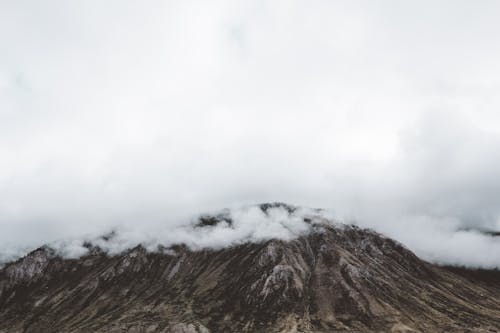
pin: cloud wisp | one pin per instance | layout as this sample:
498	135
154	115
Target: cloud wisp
230	227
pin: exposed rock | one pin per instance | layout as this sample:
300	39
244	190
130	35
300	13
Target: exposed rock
335	279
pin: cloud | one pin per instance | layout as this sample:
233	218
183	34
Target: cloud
255	223
144	115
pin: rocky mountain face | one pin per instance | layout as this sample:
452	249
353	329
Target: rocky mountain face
334	279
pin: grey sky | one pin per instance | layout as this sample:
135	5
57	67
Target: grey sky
144	113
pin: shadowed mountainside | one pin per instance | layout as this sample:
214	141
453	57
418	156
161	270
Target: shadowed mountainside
334	279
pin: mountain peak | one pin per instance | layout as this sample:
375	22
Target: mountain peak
330	279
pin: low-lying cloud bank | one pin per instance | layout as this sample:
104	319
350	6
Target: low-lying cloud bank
229	227
439	241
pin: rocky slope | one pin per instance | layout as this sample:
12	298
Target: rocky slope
334	279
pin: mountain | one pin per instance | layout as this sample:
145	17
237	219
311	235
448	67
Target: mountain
335	278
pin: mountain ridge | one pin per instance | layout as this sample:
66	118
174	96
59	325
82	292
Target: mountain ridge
336	278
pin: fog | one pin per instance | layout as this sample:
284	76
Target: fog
140	115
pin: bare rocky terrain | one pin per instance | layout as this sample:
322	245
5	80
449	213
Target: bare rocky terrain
334	279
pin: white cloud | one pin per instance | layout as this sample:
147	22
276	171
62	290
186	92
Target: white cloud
233	227
143	115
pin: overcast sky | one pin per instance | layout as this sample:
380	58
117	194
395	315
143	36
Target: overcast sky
143	113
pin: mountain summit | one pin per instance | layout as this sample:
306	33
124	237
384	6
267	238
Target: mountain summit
334	278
